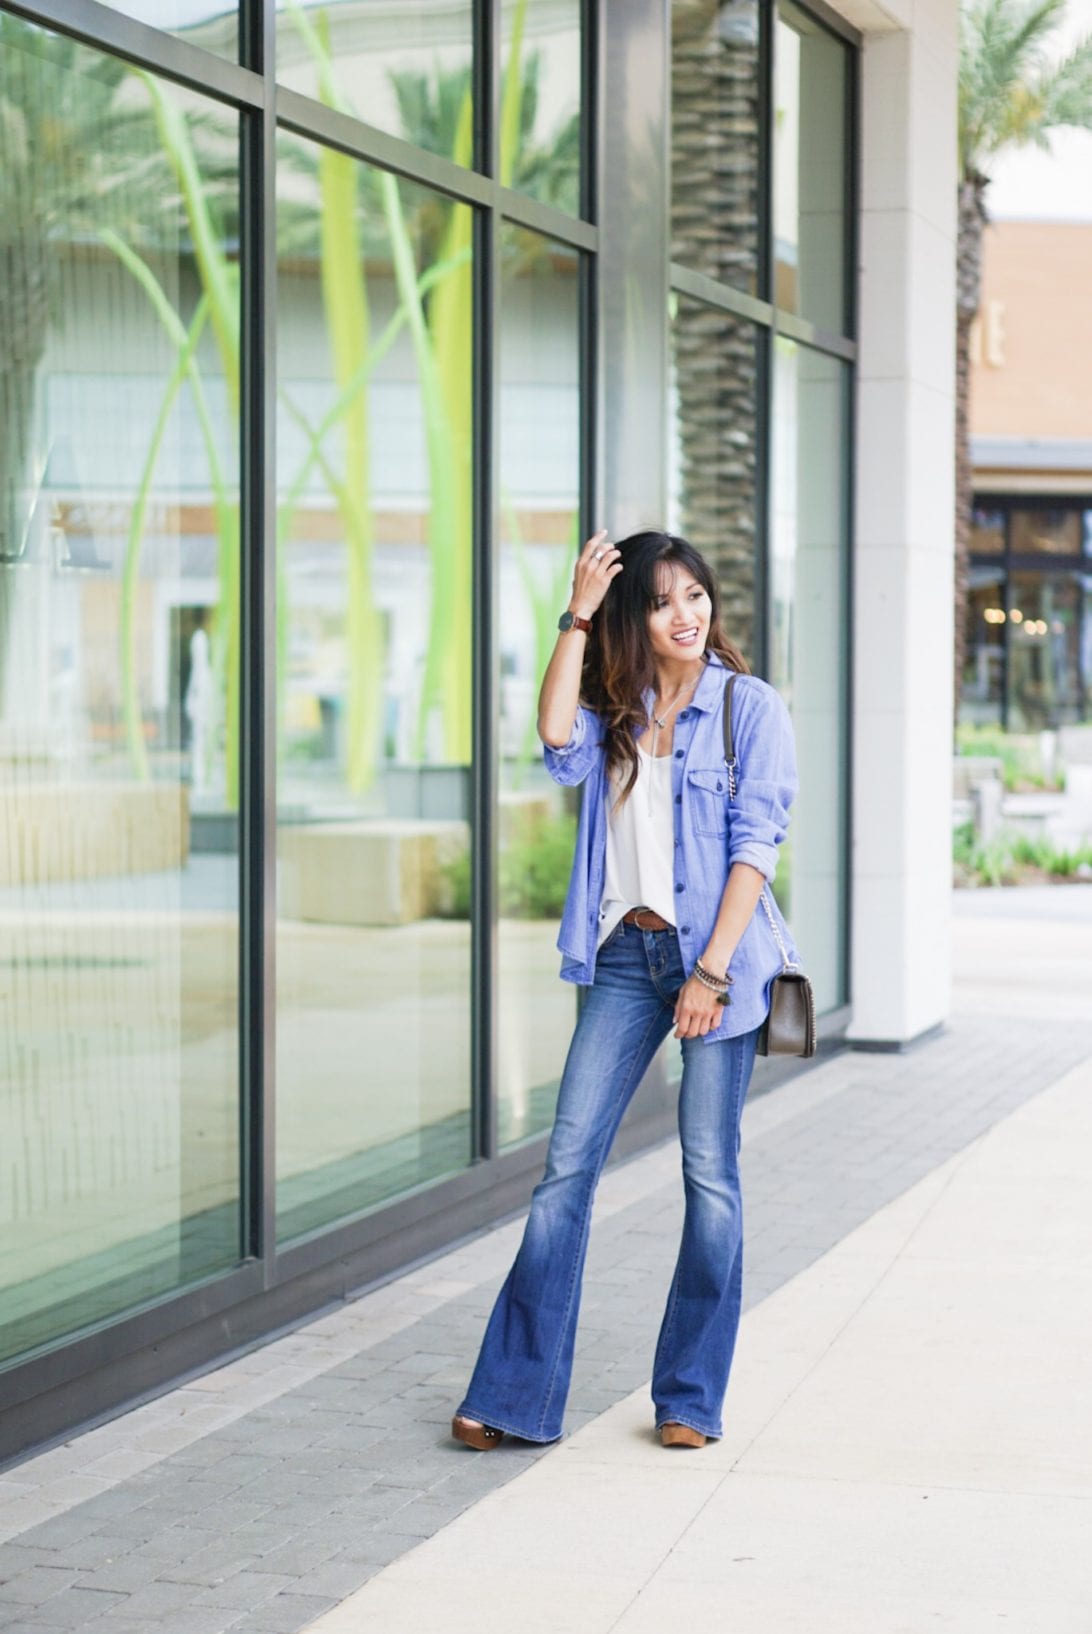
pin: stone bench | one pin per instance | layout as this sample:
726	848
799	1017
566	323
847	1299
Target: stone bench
1075	745
967	770
371	871
71	831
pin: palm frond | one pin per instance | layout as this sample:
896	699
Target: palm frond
1010	94
1067	92
1002	47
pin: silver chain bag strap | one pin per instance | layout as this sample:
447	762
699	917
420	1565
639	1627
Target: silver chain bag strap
789	1028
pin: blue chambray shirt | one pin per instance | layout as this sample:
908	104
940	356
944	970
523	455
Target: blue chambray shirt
711	832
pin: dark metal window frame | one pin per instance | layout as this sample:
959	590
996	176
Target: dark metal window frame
773	321
1005	562
130	1356
278	1282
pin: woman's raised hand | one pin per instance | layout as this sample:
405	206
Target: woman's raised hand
597	564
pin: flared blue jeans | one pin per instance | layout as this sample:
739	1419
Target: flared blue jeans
521	1380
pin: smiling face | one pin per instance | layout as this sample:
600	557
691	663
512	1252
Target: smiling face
680	615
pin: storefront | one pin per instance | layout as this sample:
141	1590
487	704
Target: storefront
1028	631
327	331
1029	617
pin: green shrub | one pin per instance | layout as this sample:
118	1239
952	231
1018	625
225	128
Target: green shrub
993	863
535	867
1001	862
963	844
1021	767
533	872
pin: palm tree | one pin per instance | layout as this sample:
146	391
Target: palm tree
715	124
81	163
1010	96
59	181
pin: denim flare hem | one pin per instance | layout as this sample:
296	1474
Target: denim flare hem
679	1418
467	1410
523	1371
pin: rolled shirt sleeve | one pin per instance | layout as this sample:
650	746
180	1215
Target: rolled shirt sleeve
571	763
767	780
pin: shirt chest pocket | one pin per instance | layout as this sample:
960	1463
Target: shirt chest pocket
708	800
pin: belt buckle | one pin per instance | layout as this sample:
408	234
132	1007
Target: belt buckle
637	912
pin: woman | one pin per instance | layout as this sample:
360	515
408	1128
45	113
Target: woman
672	856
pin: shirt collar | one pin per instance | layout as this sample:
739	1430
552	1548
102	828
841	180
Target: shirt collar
710	688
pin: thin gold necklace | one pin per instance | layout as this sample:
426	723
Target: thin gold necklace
658	723
661	721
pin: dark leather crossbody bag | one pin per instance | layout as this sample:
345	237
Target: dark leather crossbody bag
789	1028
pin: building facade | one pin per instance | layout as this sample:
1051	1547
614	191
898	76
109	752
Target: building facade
327	332
1029	618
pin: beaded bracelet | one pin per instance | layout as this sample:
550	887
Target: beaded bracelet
721	983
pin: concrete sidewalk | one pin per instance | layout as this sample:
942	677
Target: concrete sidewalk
908	1421
909	1443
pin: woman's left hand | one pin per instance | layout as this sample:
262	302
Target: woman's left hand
697	1010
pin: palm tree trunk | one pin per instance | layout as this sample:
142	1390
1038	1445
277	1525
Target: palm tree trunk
714	208
972	220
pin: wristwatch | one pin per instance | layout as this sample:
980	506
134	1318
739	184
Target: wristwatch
573	621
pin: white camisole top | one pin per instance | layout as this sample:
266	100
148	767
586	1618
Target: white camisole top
640	846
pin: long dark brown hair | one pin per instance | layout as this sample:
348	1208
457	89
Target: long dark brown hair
618	659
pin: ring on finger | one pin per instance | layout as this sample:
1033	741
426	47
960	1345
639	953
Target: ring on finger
598	555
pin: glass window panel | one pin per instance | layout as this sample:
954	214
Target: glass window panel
809	202
807	642
538	127
983	663
404	68
211	24
1035	532
715	138
374	310
987	530
539	451
1044	635
119	687
713	468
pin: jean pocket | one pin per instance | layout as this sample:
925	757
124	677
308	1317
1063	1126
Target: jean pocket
708	800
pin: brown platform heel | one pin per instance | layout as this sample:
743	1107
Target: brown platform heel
478	1436
681	1435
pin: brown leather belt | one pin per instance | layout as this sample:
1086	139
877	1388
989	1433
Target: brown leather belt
645	919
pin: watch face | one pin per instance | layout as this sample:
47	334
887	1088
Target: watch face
565	622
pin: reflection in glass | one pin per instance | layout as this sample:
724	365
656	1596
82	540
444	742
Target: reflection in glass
119	685
539	452
1038	532
404	68
374	308
807	645
211	24
987	531
713	460
538	126
715	126
1044	677
809	194
983	664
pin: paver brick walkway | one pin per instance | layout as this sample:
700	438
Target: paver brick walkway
260	1495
